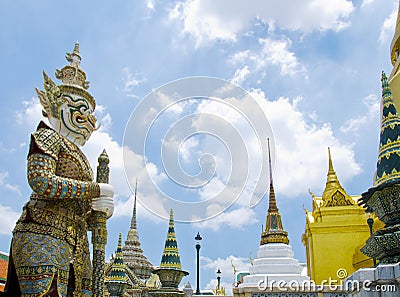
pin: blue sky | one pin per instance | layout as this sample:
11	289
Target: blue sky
313	67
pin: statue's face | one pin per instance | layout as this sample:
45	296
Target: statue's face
76	119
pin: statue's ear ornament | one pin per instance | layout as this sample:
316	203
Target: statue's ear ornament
51	99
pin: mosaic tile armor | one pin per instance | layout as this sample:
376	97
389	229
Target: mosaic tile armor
50	237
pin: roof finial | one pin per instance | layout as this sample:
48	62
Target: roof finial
269	162
74	58
272	200
171	218
332	178
120	241
386	91
133	222
76	48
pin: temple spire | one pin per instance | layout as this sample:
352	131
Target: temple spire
332	181
334	194
274	232
133	253
388	165
272	200
133	221
170	258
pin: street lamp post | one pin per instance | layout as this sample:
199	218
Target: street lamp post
198	239
218	279
370	222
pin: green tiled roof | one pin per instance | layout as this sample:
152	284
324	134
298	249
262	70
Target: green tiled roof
388	165
170	257
117	273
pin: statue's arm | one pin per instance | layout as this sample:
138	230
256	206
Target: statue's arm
42	159
43	180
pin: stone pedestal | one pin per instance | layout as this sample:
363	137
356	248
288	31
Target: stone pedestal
170	279
169	292
382	281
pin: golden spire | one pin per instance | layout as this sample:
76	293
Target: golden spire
332	182
272	200
274	232
334	194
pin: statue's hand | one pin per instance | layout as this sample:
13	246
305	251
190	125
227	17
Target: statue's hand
106	190
104	204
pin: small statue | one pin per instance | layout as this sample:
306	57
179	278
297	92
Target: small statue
49	254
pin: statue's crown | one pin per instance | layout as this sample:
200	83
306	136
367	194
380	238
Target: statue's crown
72	74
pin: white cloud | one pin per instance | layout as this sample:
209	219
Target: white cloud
388	27
301	148
271	52
276	52
8	186
240	75
186	148
150	5
131	80
209	20
367	2
30	115
235	219
8	219
124	185
372	115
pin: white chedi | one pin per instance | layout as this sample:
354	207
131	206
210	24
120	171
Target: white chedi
275	265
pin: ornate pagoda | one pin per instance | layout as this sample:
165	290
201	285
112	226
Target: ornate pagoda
116	280
384	197
273	232
275	260
170	271
116	269
133	253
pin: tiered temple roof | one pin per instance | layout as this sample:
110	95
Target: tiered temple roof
116	279
133	253
170	257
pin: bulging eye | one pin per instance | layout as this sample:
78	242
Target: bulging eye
83	110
